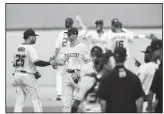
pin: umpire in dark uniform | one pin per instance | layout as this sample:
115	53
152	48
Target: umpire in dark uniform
120	90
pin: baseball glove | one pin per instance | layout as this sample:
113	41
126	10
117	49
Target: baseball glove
37	75
76	76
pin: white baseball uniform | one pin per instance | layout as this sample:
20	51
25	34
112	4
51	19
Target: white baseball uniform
87	82
115	40
24	80
96	39
61	43
146	75
76	56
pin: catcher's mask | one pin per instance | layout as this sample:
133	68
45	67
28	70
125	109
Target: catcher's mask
99	63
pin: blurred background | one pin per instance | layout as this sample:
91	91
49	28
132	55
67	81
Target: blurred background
53	15
48	21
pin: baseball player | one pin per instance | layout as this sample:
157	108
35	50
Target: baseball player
85	99
119	38
61	43
26	75
147	71
96	38
134	35
77	55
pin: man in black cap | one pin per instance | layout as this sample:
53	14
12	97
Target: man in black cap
157	83
147	56
26	74
76	56
147	70
120	90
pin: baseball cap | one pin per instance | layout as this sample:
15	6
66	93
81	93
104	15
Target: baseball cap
120	52
117	24
148	49
156	44
114	20
29	32
72	30
99	21
69	20
96	51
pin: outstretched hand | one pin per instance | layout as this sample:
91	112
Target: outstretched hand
152	36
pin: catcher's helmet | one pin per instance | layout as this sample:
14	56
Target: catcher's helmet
96	51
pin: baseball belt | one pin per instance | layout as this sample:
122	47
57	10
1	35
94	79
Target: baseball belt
22	71
72	70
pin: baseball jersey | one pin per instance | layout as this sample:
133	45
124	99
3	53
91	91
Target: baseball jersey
96	39
62	41
115	40
76	55
24	58
146	74
88	87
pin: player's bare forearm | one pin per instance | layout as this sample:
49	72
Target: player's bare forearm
139	104
56	53
75	106
150	36
82	25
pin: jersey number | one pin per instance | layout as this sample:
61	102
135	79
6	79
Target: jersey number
65	40
119	44
20	60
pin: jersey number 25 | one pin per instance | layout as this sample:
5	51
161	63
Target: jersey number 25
20	60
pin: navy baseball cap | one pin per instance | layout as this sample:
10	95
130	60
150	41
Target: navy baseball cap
117	24
120	52
29	32
99	21
148	49
69	21
96	51
156	44
72	30
113	21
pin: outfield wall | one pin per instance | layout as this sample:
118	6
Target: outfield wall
51	16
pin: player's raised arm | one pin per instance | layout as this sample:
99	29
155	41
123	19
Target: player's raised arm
82	25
